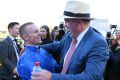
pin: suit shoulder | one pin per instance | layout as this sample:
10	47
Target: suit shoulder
6	42
98	35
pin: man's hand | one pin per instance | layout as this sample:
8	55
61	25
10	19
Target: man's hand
42	75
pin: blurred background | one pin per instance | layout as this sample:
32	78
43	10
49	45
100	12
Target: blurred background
47	12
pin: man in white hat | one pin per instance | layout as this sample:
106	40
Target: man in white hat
84	51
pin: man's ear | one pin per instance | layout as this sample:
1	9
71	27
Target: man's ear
25	37
9	29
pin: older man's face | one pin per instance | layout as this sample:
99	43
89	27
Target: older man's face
73	26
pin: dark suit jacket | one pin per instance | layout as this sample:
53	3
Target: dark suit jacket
89	59
7	58
113	66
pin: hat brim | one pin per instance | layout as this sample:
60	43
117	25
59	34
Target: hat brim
63	17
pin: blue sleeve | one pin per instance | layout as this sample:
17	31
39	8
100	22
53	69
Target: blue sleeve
52	47
55	47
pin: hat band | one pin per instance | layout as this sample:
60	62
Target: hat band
76	14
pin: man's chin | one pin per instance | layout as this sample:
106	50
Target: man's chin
39	42
15	36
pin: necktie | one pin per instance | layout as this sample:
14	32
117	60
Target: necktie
68	56
17	45
16	49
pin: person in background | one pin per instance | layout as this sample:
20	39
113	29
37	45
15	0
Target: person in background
45	37
45	34
108	35
84	50
56	36
30	33
53	32
59	33
9	53
113	66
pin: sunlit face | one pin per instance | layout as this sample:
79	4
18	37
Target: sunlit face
14	31
73	26
33	35
43	32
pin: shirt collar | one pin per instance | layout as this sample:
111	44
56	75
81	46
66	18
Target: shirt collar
81	35
33	48
12	37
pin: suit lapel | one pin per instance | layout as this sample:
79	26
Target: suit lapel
80	45
10	41
67	45
11	44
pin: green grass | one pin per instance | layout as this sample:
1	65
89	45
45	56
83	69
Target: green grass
3	35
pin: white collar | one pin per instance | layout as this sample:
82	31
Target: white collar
12	37
81	35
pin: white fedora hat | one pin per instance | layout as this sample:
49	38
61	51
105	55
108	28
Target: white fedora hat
77	9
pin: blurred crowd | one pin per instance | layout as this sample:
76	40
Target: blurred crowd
70	51
112	71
